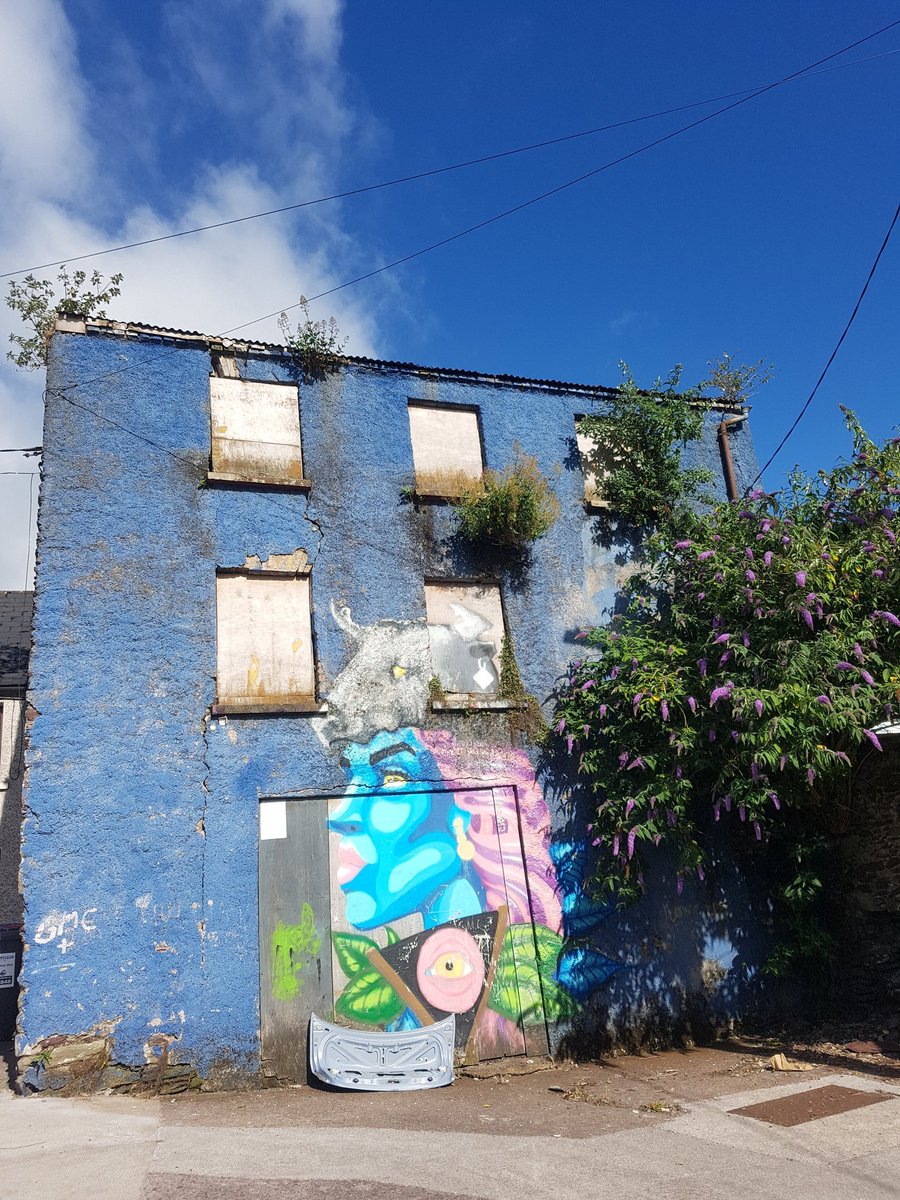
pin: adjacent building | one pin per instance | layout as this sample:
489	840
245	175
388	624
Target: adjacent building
15	644
276	765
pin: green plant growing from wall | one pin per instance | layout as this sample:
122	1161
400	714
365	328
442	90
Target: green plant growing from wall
509	509
639	437
315	346
527	717
37	301
758	654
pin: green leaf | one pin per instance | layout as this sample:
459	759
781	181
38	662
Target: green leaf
392	937
524	989
352	950
369	998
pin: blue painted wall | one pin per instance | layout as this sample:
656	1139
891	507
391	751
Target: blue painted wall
140	854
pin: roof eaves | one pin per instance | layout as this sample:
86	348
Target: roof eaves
72	323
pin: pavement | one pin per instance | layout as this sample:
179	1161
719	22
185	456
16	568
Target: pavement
661	1125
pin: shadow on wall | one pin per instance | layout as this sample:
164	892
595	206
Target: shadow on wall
687	964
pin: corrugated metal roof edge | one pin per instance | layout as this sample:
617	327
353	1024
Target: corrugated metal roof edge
213	342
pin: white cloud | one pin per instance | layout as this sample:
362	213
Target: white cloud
215	280
210	281
43	142
633	321
320	21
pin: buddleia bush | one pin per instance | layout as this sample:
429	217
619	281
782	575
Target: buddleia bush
759	653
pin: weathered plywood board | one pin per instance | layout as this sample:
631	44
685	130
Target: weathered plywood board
263	638
444	441
465	629
255	429
597	464
294	935
509	841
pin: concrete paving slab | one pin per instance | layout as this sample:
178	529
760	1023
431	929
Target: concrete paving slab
629	1165
98	1149
95	1173
831	1139
46	1123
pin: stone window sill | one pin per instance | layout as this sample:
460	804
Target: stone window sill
435	497
475	701
218	478
240	707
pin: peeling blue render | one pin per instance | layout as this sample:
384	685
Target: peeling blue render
140	858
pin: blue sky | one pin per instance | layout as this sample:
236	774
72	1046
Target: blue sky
752	234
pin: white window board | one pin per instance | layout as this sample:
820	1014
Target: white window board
255	429
264	639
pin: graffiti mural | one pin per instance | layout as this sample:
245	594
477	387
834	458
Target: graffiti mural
453	900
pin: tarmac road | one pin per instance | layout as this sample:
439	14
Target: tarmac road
629	1128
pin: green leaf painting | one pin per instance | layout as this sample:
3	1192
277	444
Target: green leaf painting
351	950
369	999
524	988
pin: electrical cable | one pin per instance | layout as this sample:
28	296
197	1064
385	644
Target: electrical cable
710	116
265	497
472	162
559	188
21	449
833	355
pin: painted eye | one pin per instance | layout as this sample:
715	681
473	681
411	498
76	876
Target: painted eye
450	970
394	779
451	966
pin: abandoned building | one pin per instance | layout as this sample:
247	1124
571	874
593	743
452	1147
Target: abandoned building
273	768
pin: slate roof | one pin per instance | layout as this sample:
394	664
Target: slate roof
15	640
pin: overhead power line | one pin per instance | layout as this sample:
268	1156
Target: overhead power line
808	73
833	355
563	186
133	366
21	449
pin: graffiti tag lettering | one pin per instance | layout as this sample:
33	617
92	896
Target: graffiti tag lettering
58	925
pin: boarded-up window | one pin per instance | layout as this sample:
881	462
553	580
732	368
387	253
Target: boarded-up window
465	627
255	430
597	463
264	656
446	448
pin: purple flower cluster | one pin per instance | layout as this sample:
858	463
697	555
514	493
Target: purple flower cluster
720	693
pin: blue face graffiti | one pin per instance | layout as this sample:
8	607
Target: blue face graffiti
403	850
413	836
